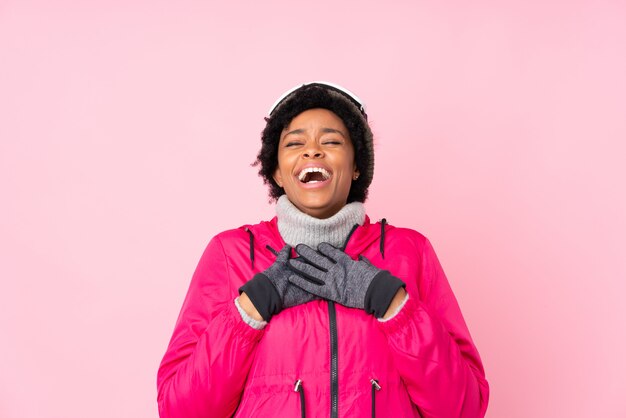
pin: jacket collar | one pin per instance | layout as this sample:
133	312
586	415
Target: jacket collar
266	233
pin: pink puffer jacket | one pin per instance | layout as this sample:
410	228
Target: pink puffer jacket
421	363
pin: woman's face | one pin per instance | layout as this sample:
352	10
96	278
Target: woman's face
316	163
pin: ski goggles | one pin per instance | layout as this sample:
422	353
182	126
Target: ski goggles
325	84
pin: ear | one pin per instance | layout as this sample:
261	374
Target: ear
356	173
278	177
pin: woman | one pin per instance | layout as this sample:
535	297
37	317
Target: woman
319	311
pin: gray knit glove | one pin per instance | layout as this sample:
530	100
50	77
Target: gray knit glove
270	291
333	275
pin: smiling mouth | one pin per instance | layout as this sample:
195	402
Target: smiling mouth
313	175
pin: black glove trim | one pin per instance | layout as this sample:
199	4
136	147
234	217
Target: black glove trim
263	295
381	292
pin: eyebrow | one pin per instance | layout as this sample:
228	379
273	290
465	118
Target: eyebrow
324	130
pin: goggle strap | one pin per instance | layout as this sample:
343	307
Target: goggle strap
331	86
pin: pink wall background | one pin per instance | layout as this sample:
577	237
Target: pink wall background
124	125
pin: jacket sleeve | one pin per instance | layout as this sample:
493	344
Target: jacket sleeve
436	357
207	361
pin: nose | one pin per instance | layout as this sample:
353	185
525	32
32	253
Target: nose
313	150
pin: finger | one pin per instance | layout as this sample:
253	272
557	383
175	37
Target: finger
333	253
308	286
314	258
365	260
284	253
306	270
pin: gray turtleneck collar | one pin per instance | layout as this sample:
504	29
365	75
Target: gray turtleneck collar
297	227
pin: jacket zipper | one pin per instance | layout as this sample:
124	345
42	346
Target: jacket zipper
334	374
375	387
298	388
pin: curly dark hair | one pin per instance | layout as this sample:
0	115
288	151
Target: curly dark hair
311	97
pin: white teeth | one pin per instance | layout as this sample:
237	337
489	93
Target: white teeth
304	172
